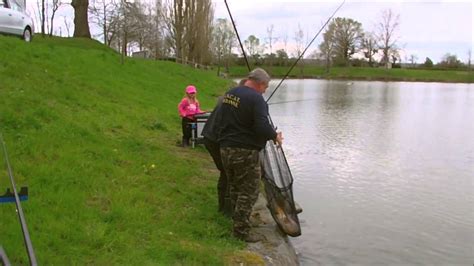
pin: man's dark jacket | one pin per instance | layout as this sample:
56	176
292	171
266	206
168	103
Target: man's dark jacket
243	120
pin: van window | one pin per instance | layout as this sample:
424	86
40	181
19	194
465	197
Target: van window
16	6
5	3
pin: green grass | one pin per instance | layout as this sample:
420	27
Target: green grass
365	73
95	142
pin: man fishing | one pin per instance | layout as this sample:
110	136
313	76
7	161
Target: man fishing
210	134
244	130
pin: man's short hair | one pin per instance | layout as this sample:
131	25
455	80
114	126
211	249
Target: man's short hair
259	75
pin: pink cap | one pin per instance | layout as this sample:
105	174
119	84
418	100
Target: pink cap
191	89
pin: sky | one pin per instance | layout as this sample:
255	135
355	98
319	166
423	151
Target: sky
427	28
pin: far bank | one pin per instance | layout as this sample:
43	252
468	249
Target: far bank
363	73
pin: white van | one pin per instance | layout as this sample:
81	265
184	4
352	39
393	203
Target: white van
14	20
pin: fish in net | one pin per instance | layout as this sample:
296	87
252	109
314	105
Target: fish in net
278	183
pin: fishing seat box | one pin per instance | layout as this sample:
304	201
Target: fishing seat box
197	127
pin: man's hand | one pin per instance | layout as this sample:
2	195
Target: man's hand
279	139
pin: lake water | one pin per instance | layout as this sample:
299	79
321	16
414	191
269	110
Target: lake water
384	171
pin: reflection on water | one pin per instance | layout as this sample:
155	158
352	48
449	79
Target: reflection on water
384	171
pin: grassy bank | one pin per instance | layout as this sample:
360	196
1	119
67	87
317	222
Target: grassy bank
364	73
95	142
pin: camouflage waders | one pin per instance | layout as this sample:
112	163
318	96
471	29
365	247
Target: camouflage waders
242	167
223	198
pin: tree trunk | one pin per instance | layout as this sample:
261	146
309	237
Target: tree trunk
105	24
42	18
52	22
81	21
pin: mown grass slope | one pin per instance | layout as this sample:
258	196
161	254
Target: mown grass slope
95	142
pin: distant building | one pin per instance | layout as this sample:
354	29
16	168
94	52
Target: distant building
141	54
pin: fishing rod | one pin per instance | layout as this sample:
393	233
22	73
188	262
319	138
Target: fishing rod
301	55
278	194
21	215
238	37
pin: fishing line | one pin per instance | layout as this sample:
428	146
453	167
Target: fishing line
21	215
237	33
298	59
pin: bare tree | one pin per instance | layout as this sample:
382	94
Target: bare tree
155	30
223	41
56	5
285	45
413	59
175	26
124	28
299	41
387	34
81	21
67	24
469	54
369	47
189	27
138	23
199	34
43	17
102	12
269	41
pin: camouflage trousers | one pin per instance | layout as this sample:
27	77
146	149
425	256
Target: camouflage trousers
242	167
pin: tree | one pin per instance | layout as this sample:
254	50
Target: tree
369	47
156	36
102	14
199	35
299	47
223	41
284	38
81	22
386	34
269	41
299	38
282	57
56	5
469	54
347	38
189	26
395	56
341	40
123	28
138	19
67	24
43	17
327	46
413	59
450	61
428	63
45	13
252	44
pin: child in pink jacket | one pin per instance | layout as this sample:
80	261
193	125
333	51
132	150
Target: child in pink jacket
188	107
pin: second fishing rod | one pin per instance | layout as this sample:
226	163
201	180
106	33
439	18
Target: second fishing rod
299	57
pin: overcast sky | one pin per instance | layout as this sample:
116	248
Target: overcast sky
427	28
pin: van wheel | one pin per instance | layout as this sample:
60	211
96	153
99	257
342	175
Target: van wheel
27	35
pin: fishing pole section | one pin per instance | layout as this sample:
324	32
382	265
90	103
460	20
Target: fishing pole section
277	177
304	51
14	196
